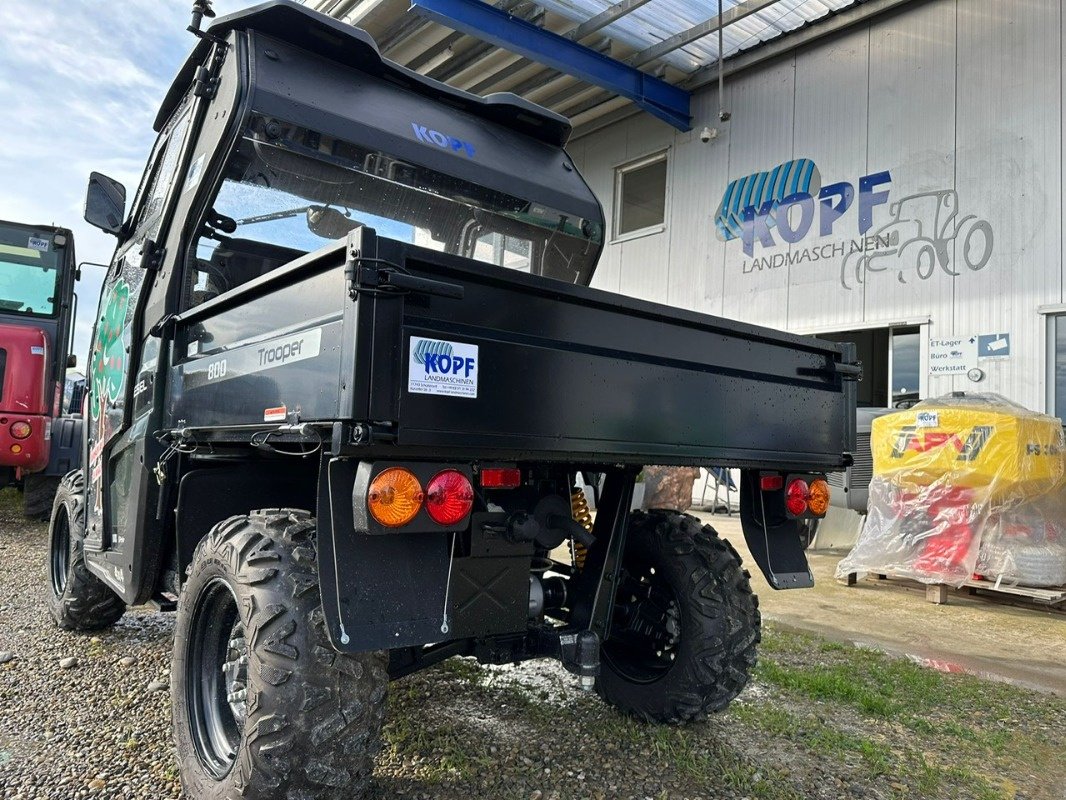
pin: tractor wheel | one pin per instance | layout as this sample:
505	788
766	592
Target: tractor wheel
79	601
38	494
263	706
686	623
977	244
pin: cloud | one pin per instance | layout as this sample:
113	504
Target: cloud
80	84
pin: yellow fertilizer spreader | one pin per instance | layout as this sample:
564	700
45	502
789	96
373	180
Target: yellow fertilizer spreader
948	457
975	441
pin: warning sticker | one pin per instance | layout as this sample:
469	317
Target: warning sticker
435	366
276	414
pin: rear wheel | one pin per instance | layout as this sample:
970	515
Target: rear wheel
79	601
38	494
977	244
686	623
263	706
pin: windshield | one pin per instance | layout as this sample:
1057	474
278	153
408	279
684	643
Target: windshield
289	190
28	278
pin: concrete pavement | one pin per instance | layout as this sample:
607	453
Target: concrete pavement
977	635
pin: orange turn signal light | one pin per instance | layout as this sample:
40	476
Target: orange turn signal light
818	499
395	497
16	448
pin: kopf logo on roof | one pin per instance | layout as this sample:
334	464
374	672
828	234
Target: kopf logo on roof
430	136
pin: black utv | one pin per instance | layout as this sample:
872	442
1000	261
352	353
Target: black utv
345	371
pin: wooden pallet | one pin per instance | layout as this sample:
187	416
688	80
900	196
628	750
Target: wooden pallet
938	593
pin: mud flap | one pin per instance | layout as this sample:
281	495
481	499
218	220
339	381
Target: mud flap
773	539
378	592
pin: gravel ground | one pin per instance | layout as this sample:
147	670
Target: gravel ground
821	721
97	727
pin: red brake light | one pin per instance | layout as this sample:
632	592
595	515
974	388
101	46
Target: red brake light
796	497
449	497
20	429
771	483
501	478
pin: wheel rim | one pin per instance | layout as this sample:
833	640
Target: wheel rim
60	553
216	674
646	630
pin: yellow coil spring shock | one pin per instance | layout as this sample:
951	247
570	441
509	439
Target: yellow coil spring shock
579	507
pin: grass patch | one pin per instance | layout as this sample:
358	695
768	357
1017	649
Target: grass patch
826	709
692	751
439	750
466	670
951	731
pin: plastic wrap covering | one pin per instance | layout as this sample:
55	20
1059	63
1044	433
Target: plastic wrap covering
1026	545
964	485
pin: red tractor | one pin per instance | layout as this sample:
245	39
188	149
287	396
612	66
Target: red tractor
38	442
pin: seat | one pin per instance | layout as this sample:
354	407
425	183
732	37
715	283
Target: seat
235	262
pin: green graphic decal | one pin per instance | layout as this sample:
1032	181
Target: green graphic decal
109	353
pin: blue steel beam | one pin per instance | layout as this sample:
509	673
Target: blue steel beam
475	18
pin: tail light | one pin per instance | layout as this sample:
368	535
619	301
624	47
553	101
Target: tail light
796	496
449	497
395	497
20	429
818	500
501	478
771	483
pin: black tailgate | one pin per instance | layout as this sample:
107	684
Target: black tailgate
524	366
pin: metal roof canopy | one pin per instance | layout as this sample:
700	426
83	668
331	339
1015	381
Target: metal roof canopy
590	59
479	19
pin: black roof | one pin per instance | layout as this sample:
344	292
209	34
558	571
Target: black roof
298	25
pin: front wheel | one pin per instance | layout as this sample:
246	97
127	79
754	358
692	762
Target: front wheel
79	601
686	623
263	706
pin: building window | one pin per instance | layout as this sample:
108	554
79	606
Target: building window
640	195
906	367
1057	365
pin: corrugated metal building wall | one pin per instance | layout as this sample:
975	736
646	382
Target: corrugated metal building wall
961	102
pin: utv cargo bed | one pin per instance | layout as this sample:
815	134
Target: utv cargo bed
424	349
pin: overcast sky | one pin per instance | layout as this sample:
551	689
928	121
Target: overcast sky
80	84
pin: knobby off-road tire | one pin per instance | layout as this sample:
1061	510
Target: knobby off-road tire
686	623
38	495
78	600
309	724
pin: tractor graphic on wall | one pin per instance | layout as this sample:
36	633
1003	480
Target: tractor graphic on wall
921	233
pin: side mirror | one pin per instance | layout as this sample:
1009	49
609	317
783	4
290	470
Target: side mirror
77	272
105	203
72	361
